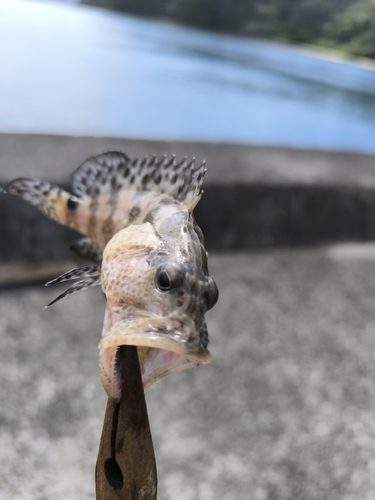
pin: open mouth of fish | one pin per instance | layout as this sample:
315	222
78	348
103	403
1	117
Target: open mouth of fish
165	345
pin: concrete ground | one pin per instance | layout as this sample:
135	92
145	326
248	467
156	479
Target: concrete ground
285	411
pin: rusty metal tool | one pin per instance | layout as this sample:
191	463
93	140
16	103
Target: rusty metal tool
126	467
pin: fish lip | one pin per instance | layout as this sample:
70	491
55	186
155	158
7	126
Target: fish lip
152	333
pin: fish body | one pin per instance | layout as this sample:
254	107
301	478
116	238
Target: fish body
137	217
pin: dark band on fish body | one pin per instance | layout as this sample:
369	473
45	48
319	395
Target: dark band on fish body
113	200
134	213
108	228
150	217
167	201
145	180
92	224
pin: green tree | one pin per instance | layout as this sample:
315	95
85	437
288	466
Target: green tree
296	20
219	15
353	30
139	7
347	25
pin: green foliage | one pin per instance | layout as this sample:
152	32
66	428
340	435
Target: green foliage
139	7
347	25
354	29
300	20
219	15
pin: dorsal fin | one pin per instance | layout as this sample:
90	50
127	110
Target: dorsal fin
114	171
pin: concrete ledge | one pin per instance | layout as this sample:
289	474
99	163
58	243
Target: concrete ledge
255	197
250	216
55	158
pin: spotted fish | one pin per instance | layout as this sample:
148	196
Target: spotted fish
136	216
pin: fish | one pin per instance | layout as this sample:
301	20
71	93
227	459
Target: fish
137	224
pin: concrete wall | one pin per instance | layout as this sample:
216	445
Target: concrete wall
255	196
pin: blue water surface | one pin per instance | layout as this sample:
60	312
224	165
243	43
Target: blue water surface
72	69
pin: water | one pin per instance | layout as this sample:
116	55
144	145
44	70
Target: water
71	69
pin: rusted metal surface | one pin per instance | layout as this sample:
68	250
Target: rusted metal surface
126	467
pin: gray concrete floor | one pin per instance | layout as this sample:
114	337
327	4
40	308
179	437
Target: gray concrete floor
286	410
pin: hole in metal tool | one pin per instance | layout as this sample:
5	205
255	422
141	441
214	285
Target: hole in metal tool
113	474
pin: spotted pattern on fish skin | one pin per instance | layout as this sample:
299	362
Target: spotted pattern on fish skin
203	333
79	272
91	277
133	242
71	217
109	173
113	171
87	249
40	194
139	212
108	228
132	293
181	298
134	214
91	230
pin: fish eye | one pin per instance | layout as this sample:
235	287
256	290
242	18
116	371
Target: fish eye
170	275
163	281
212	293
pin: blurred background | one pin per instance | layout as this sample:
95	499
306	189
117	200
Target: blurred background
72	69
278	96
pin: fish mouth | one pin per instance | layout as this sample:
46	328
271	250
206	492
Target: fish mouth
165	345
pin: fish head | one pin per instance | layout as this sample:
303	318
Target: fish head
184	294
157	297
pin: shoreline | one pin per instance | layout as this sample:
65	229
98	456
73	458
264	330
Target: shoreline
311	50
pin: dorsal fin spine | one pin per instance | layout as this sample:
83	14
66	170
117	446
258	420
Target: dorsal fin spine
113	171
